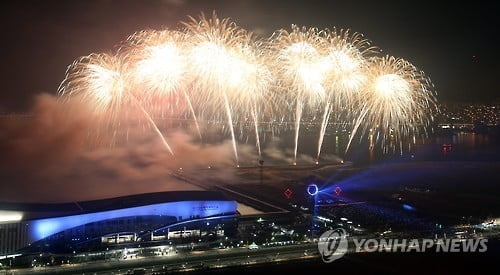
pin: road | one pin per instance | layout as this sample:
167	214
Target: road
215	258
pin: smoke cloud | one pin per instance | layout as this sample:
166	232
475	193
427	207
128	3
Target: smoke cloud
47	157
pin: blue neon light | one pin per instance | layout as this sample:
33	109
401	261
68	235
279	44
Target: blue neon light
408	207
42	228
312	189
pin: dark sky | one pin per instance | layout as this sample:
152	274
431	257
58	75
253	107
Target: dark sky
454	43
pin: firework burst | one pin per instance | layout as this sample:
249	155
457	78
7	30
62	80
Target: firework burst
101	81
229	70
160	67
345	67
301	69
399	101
217	71
98	79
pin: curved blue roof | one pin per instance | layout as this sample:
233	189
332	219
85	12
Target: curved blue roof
47	210
181	210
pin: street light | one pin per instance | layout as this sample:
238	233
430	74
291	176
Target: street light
261	163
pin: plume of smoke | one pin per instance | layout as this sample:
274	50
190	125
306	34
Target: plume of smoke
47	156
53	134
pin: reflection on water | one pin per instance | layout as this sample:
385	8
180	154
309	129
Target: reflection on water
362	151
464	146
449	147
458	146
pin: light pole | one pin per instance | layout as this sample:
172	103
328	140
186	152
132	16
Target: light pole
261	164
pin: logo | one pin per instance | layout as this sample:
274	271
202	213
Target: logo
332	245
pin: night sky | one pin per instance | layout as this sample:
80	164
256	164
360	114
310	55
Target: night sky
454	43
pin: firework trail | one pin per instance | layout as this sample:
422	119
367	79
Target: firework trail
357	123
301	69
345	69
210	58
324	125
153	124
249	85
228	69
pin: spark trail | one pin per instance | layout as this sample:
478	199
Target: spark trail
324	125
153	124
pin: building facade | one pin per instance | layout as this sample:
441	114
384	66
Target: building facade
85	226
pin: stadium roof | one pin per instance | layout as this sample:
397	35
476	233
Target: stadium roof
36	210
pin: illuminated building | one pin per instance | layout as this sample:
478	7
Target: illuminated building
64	227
